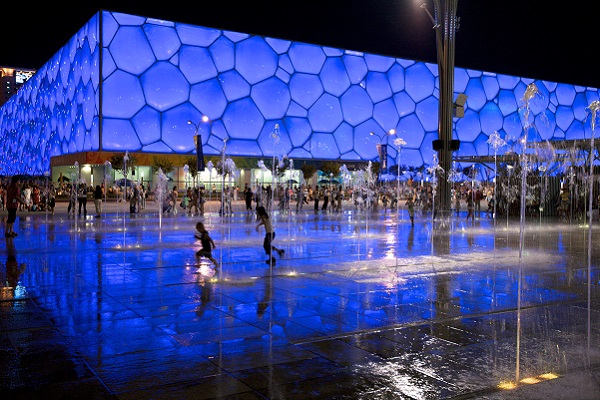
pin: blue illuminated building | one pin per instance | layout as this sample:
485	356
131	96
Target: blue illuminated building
130	83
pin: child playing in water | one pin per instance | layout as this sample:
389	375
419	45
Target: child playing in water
264	220
207	244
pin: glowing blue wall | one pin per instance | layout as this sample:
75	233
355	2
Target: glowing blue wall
157	75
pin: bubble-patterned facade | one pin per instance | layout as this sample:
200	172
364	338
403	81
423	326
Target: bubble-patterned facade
126	82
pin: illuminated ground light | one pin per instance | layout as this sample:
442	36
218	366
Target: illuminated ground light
528	381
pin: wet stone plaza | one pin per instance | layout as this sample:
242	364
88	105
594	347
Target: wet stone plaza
360	306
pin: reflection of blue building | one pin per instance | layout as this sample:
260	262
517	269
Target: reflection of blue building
125	82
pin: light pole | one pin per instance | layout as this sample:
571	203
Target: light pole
382	149
198	142
399	142
445	24
223	176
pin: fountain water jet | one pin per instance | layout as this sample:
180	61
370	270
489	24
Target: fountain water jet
161	191
496	142
530	93
594	109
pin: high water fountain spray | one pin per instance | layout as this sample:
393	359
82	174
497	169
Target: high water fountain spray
496	142
434	171
530	93
594	109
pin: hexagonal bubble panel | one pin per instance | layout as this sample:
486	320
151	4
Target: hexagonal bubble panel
307	58
356	105
243	119
326	114
378	63
255	60
476	98
274	140
299	130
411	130
491	118
131	51
378	86
334	76
163	40
546	124
123	95
147	125
564	117
272	97
175	131
386	115
344	137
305	89
580	108
223	54
234	85
427	112
208	97
356	67
565	94
165	86
419	82
323	145
196	64
119	135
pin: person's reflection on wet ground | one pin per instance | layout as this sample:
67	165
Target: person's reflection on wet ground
266	301
203	280
13	271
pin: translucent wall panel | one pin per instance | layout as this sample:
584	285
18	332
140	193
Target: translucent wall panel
157	75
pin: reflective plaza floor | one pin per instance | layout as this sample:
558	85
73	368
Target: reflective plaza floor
360	306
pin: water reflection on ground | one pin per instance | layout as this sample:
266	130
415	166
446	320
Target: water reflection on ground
358	306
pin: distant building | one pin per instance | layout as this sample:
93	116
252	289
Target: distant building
11	80
164	91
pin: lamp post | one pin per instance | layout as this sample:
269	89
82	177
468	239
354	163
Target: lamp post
222	211
198	142
445	24
399	142
382	148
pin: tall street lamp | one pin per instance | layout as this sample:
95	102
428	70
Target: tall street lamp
445	24
198	142
382	148
399	142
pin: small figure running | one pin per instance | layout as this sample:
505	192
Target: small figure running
207	244
261	212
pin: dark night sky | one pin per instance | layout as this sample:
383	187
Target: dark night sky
527	38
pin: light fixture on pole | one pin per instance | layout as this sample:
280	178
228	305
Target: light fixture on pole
445	24
399	142
198	142
382	149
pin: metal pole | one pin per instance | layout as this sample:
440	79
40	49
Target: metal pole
446	25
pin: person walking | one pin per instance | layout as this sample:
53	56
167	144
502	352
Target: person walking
98	200
72	199
470	205
51	198
265	221
13	201
82	199
410	205
248	196
207	244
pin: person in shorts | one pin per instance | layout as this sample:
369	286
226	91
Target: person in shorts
207	244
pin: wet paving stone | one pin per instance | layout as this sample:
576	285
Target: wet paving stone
350	312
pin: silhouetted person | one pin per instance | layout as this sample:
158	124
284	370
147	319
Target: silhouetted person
265	221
